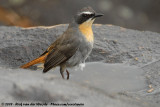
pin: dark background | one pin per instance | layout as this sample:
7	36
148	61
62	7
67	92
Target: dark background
134	14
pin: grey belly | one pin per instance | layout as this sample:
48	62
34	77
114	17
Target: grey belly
80	56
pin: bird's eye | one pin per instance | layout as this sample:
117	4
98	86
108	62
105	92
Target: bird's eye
85	15
88	15
91	15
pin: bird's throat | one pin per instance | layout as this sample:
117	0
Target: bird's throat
86	29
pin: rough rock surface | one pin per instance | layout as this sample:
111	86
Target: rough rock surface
128	77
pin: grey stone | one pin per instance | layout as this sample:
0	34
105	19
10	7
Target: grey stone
118	72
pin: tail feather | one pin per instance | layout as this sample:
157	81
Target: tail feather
40	59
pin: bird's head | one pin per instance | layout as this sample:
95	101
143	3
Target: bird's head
86	16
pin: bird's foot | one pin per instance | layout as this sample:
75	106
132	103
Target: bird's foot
67	74
63	75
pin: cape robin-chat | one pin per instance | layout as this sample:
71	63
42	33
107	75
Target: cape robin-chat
72	47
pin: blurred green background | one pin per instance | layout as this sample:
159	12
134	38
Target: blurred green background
134	14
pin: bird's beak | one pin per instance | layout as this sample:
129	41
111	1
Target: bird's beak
98	15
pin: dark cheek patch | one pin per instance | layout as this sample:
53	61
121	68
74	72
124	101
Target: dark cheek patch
83	17
81	20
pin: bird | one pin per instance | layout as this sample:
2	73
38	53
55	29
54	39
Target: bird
71	48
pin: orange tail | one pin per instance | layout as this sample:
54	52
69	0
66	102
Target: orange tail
35	61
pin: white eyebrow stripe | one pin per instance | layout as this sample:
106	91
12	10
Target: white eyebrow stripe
87	12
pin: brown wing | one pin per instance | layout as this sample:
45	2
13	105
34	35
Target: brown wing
60	51
56	57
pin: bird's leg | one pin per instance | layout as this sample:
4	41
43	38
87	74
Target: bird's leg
67	74
61	71
62	68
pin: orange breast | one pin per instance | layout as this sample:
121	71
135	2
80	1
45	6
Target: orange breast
86	30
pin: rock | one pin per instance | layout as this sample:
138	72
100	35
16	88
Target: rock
100	84
18	85
112	44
